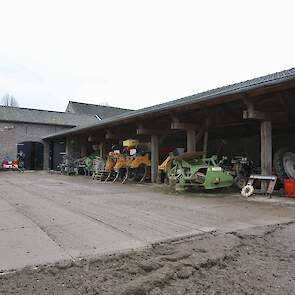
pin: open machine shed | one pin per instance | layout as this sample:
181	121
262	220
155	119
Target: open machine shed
252	118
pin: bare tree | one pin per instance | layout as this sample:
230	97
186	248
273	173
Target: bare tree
9	100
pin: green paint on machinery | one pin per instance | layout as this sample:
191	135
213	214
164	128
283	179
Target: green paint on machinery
190	170
89	161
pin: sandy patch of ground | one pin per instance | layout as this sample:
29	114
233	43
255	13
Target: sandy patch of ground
260	260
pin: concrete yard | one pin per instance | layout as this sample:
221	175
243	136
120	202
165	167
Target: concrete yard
45	218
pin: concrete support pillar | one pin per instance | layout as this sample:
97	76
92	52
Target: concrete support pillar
190	141
266	151
154	157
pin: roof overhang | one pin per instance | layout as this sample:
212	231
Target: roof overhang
255	87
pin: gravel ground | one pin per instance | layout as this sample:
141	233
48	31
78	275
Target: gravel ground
260	260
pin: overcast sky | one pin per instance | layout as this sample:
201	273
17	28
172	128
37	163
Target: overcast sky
137	53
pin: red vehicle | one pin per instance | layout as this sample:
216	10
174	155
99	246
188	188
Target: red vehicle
10	165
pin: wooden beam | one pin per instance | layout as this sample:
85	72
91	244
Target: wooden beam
184	126
266	151
205	146
230	124
199	135
154	157
248	103
120	136
144	131
111	136
254	115
174	118
251	113
93	138
190	141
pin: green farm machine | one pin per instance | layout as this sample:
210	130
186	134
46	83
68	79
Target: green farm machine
191	170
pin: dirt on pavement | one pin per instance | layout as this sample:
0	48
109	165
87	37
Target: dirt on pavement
260	260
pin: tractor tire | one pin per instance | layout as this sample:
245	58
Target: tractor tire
284	164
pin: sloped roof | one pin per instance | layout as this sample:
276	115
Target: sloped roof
237	88
92	109
25	115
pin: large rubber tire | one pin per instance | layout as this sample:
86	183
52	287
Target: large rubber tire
284	163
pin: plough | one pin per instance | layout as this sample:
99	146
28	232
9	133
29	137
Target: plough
191	170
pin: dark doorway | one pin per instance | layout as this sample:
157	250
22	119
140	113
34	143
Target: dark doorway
56	151
33	154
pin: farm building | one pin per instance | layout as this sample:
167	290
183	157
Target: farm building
254	118
22	129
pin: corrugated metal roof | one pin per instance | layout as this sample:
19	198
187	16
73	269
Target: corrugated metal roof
236	88
92	109
26	115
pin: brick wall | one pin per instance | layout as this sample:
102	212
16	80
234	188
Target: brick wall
12	133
